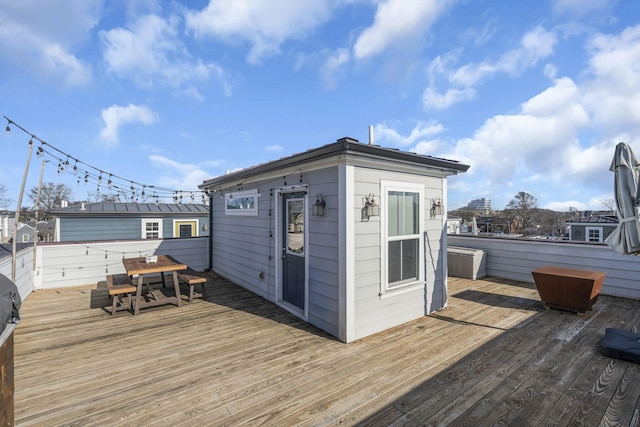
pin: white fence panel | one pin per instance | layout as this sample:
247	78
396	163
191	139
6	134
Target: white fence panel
24	271
63	265
516	258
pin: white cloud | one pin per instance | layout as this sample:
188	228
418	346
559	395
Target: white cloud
150	52
431	99
535	45
264	25
565	206
397	22
186	176
580	8
332	67
116	115
565	135
40	37
613	93
423	132
277	148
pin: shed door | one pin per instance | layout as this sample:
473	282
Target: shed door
293	251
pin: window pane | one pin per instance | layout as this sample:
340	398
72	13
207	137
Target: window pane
403	213
393	209
410	259
403	261
152	229
395	260
410	213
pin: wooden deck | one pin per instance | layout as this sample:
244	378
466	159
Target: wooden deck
494	356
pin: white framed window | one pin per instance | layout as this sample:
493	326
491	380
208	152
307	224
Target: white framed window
152	228
241	203
402	222
185	228
25	238
593	234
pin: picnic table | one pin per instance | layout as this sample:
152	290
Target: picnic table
140	267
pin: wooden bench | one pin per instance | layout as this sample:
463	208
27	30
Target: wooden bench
120	285
191	278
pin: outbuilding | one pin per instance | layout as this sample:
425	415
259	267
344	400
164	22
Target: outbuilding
350	237
119	221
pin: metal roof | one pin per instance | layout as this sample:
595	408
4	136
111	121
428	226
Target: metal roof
89	209
341	146
596	219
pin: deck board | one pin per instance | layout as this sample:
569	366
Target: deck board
494	355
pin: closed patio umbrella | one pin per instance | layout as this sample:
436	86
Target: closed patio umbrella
625	238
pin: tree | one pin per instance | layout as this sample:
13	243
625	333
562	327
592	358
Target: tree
522	209
97	197
51	195
4	202
610	204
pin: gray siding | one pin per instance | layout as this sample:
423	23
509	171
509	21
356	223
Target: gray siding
374	313
74	229
244	246
515	259
579	230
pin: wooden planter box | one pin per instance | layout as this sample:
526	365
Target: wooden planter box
567	288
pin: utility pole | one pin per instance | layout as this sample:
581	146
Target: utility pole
18	208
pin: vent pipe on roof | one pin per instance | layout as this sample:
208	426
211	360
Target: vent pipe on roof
370	134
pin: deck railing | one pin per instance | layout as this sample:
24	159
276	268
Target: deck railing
516	258
60	265
75	264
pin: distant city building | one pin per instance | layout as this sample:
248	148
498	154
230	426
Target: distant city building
482	204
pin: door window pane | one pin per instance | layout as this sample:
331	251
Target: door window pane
186	230
295	226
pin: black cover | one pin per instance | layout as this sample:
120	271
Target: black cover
9	302
621	344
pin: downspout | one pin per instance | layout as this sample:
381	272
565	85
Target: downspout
210	267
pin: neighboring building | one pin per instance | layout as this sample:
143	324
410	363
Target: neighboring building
6	226
493	224
26	231
115	221
592	229
350	237
481	205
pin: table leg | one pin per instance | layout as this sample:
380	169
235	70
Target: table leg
136	310
176	284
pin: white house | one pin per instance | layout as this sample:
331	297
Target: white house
350	237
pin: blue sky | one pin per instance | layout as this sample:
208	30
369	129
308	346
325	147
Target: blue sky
533	95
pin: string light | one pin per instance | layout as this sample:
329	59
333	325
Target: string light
95	175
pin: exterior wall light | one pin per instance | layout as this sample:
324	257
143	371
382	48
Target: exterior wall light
320	207
437	207
372	208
